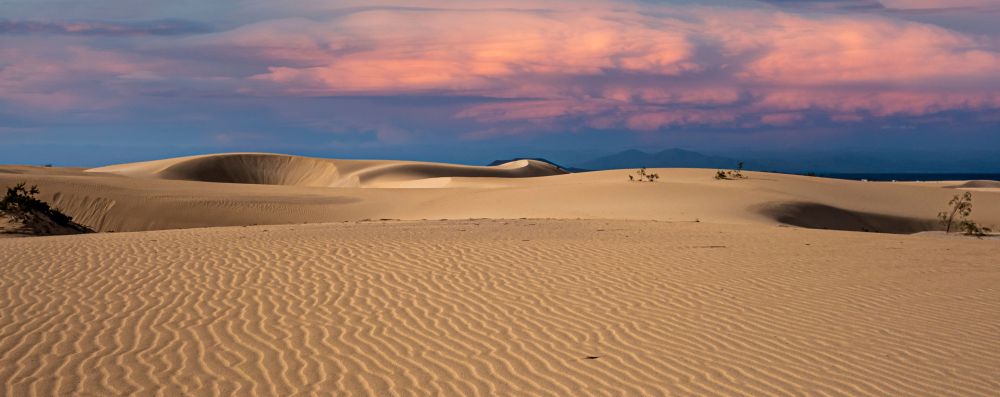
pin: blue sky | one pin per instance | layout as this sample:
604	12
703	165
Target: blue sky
89	82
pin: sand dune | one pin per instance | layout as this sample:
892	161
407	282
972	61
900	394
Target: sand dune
979	185
277	169
177	193
485	307
687	286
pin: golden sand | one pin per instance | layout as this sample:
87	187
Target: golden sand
635	299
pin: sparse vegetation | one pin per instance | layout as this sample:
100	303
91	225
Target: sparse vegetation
961	209
21	205
641	175
970	228
731	174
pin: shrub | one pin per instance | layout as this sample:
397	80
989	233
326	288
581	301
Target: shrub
642	176
21	205
731	174
970	228
961	207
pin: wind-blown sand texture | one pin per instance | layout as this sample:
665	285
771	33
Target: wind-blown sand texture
637	298
496	307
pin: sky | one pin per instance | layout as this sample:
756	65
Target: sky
87	82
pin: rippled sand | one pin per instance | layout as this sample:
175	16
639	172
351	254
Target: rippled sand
499	307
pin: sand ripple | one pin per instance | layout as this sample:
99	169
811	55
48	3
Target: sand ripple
498	308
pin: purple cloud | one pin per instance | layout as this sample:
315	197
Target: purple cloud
512	69
167	27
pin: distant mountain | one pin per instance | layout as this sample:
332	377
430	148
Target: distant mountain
567	169
669	158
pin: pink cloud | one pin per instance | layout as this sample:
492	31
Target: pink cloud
925	4
86	28
781	118
74	78
561	66
878	103
842	49
634	66
466	51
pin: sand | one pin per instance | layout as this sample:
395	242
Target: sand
637	298
173	193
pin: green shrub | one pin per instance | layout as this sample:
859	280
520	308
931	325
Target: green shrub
21	205
731	174
970	228
961	208
642	176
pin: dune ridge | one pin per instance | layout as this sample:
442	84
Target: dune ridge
979	185
178	193
520	307
279	169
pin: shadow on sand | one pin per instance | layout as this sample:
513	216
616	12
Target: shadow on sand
820	216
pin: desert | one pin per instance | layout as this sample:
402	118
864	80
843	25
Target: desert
499	198
265	274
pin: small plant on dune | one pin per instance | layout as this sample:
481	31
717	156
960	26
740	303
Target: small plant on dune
961	208
641	175
970	228
731	174
20	205
961	205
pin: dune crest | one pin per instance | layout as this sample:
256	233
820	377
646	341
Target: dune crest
978	185
286	170
265	188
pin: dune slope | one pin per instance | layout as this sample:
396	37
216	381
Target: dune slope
523	307
979	185
279	189
279	169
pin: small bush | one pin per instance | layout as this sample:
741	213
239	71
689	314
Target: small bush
970	228
961	208
731	174
20	205
642	176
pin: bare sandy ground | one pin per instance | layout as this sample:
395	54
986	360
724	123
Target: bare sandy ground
494	307
637	298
